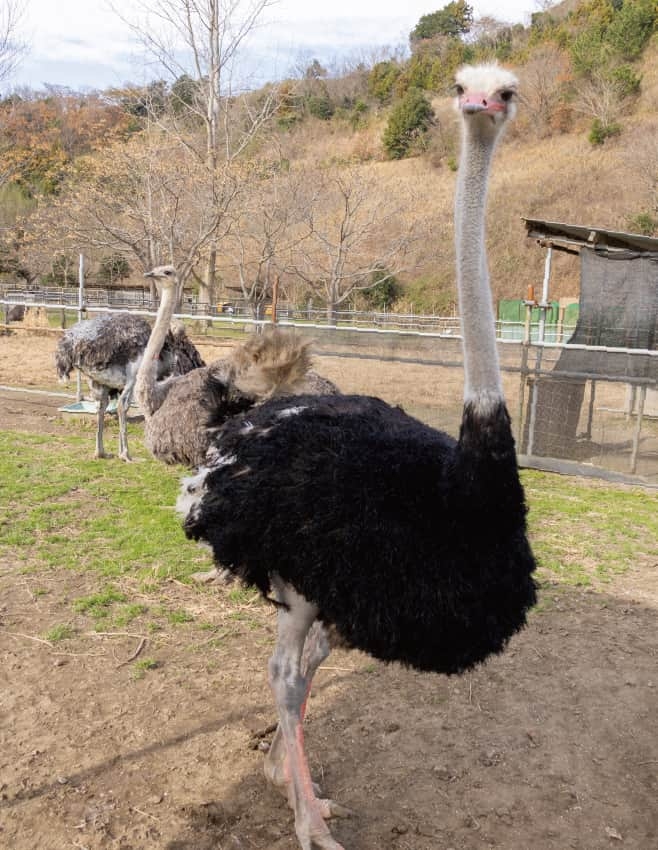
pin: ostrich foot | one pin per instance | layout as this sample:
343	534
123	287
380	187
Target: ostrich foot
205	577
102	455
312	831
277	773
219	574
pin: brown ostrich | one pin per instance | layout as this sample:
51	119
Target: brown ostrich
180	412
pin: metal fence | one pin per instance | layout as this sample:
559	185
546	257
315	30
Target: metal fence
571	420
68	300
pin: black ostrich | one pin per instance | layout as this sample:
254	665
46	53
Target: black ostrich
361	522
108	350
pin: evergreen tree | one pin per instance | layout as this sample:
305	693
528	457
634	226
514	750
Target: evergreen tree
408	123
453	20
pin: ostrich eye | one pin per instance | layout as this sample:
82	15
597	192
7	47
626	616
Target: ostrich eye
507	95
458	90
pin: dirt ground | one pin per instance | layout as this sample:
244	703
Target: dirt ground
553	745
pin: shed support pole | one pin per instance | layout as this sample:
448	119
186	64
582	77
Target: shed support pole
638	429
590	409
541	333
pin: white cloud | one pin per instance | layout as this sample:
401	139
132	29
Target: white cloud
84	44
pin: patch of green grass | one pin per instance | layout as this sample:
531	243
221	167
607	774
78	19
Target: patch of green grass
62	510
240	595
584	533
246	618
179	616
140	667
98	604
84	514
128	613
60	632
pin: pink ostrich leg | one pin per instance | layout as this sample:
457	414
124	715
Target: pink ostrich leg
301	647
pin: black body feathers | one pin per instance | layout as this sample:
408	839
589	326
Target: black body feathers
310	488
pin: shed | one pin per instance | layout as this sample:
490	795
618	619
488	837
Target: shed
616	330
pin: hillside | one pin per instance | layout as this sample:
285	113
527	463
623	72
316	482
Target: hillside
561	177
92	175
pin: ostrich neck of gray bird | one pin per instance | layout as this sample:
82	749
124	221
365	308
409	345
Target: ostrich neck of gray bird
482	379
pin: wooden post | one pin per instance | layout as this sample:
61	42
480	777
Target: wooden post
275	298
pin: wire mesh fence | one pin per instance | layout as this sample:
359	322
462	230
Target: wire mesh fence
601	422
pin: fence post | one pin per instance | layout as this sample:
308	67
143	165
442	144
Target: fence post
81	304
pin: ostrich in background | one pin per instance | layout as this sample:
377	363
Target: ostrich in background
108	350
361	522
181	411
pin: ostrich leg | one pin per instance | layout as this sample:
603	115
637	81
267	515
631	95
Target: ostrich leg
102	396
123	405
277	771
290	685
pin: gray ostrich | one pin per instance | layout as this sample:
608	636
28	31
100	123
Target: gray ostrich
108	350
16	313
177	410
359	521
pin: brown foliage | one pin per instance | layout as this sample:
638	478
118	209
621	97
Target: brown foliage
39	137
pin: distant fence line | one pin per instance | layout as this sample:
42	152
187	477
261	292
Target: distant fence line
585	416
140	302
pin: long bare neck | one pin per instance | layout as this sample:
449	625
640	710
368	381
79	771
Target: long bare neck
149	392
482	381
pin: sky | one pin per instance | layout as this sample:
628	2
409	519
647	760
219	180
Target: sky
83	44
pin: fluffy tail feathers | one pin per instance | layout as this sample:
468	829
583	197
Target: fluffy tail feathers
185	355
271	364
64	361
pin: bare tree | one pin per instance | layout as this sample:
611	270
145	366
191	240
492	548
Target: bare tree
600	96
12	47
543	74
133	201
199	41
352	230
268	228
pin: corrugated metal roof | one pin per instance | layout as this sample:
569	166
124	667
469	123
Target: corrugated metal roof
580	235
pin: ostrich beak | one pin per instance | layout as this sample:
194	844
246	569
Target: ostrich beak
480	102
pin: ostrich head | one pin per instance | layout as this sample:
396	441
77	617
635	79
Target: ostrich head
165	276
485	97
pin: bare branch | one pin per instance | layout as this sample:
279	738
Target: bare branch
12	47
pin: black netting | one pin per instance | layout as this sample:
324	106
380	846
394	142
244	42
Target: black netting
618	309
